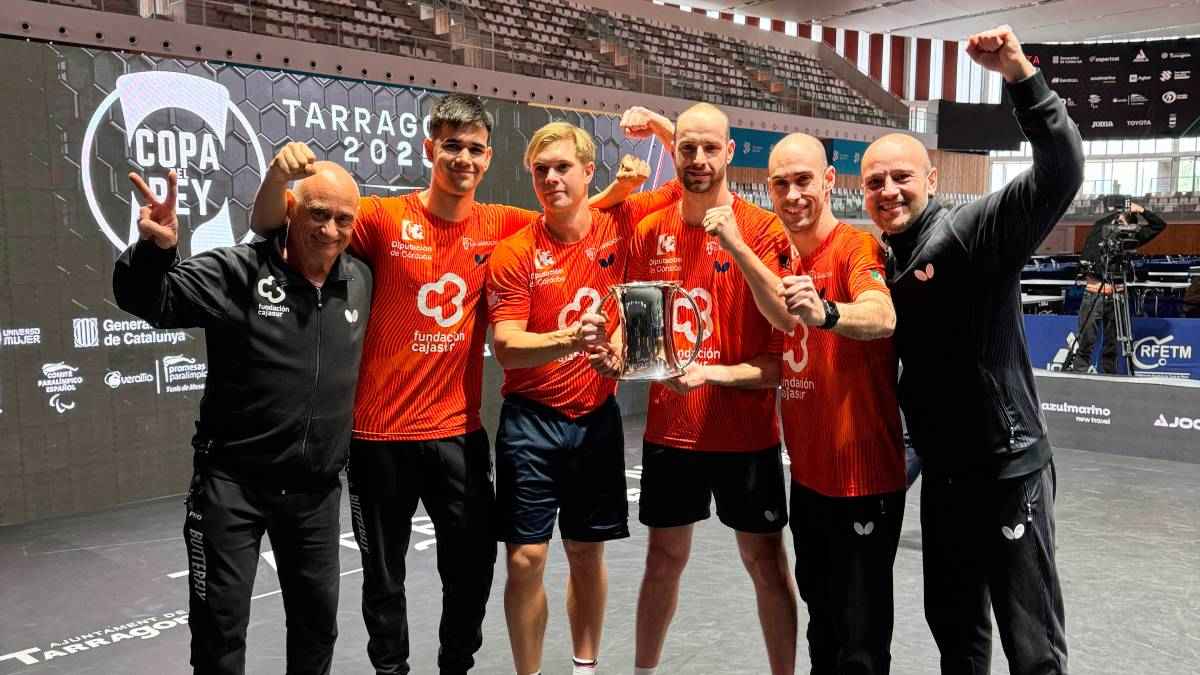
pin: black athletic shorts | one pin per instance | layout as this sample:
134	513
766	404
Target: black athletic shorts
548	464
678	486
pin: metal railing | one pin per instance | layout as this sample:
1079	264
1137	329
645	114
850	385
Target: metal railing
479	49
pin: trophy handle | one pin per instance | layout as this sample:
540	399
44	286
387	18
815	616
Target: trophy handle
699	336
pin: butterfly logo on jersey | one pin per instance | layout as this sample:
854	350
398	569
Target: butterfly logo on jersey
571	311
926	274
721	266
789	357
543	259
410	231
607	262
666	244
431	299
684	326
481	258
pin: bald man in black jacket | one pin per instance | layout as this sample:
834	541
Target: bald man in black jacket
987	496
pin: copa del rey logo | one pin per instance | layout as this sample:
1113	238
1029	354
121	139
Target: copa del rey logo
155	122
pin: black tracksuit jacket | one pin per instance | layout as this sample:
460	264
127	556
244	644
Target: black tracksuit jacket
283	355
967	389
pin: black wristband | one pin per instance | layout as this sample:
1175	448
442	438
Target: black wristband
831	315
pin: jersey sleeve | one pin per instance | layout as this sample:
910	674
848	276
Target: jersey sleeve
368	227
638	206
508	283
865	267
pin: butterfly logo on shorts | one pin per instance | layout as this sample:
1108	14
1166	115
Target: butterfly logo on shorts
605	262
721	266
481	258
926	274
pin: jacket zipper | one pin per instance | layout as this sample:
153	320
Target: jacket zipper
316	379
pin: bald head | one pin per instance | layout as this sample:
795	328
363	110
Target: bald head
900	146
797	148
703	116
898	179
327	178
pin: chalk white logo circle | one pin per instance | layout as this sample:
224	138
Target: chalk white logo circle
142	94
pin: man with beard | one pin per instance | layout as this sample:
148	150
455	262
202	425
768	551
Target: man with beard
417	432
987	494
839	411
691	453
560	450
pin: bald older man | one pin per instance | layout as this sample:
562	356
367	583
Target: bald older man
987	498
691	454
837	380
284	320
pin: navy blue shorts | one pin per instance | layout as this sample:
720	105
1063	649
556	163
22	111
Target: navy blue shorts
548	464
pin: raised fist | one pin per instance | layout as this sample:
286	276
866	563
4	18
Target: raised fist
720	222
802	299
999	50
294	162
632	171
156	219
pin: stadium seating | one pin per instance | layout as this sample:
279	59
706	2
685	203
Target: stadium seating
563	41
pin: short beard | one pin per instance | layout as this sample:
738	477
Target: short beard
697	187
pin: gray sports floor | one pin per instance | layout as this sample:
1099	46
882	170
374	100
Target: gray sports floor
1129	555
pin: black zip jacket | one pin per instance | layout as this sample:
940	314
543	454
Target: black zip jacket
283	355
967	390
1092	252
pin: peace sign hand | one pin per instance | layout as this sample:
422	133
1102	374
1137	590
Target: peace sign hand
156	220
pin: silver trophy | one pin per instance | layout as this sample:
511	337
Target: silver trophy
648	325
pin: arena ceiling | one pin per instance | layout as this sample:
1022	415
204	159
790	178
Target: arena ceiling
1034	20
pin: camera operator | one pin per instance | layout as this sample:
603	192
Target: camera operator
1111	238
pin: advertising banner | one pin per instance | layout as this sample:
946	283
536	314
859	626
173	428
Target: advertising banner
96	406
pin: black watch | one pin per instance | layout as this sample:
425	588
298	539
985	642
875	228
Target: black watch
831	314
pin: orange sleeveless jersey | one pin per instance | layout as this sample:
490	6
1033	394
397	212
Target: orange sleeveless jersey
841	420
535	278
732	330
422	362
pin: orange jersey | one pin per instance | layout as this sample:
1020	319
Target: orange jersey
534	277
841	420
730	328
422	362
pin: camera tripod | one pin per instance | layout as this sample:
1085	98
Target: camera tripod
1115	271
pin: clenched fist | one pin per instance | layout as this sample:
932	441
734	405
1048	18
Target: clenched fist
632	172
802	299
638	123
156	219
294	162
720	222
999	50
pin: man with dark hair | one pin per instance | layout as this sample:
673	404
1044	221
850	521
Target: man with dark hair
967	391
417	431
284	321
1097	305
